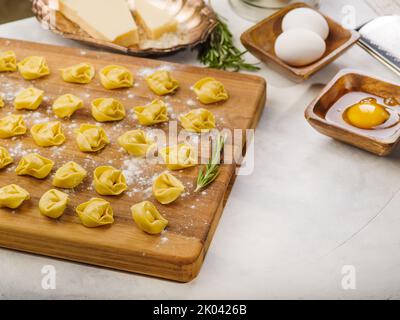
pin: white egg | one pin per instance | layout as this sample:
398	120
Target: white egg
305	18
299	47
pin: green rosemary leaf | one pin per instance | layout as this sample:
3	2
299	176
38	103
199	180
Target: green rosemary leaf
211	169
220	52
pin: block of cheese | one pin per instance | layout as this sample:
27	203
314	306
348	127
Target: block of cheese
103	19
154	20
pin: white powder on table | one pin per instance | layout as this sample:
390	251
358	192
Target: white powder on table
145	72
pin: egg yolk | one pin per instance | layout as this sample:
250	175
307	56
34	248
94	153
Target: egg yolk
366	115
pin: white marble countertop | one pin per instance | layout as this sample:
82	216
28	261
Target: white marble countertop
311	207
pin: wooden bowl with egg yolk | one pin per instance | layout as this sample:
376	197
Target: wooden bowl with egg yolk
260	41
333	101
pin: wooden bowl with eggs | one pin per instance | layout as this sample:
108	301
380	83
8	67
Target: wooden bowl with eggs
260	40
352	90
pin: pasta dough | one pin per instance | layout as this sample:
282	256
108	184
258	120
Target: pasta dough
136	143
153	113
198	120
115	77
48	134
29	99
179	156
94	213
161	83
53	203
69	176
80	73
109	181
91	138
147	218
107	109
209	90
11	126
34	165
167	188
66	105
12	196
5	158
1	102
33	67
8	61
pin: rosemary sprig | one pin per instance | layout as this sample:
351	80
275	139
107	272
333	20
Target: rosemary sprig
219	51
210	171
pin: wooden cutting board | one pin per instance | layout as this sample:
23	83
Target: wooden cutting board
176	254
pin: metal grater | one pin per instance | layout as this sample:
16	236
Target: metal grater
381	38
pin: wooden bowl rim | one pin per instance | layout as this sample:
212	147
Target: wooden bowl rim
310	114
306	71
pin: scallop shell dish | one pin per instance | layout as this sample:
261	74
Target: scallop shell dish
195	22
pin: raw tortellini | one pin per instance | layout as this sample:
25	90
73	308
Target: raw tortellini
12	196
91	138
107	109
5	158
29	99
153	113
48	134
66	105
11	126
198	120
147	218
53	203
33	67
161	83
179	156
209	90
34	165
80	73
136	143
167	188
109	181
96	212
69	176
115	77
8	61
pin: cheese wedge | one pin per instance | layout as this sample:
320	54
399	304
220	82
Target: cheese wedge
154	21
106	20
